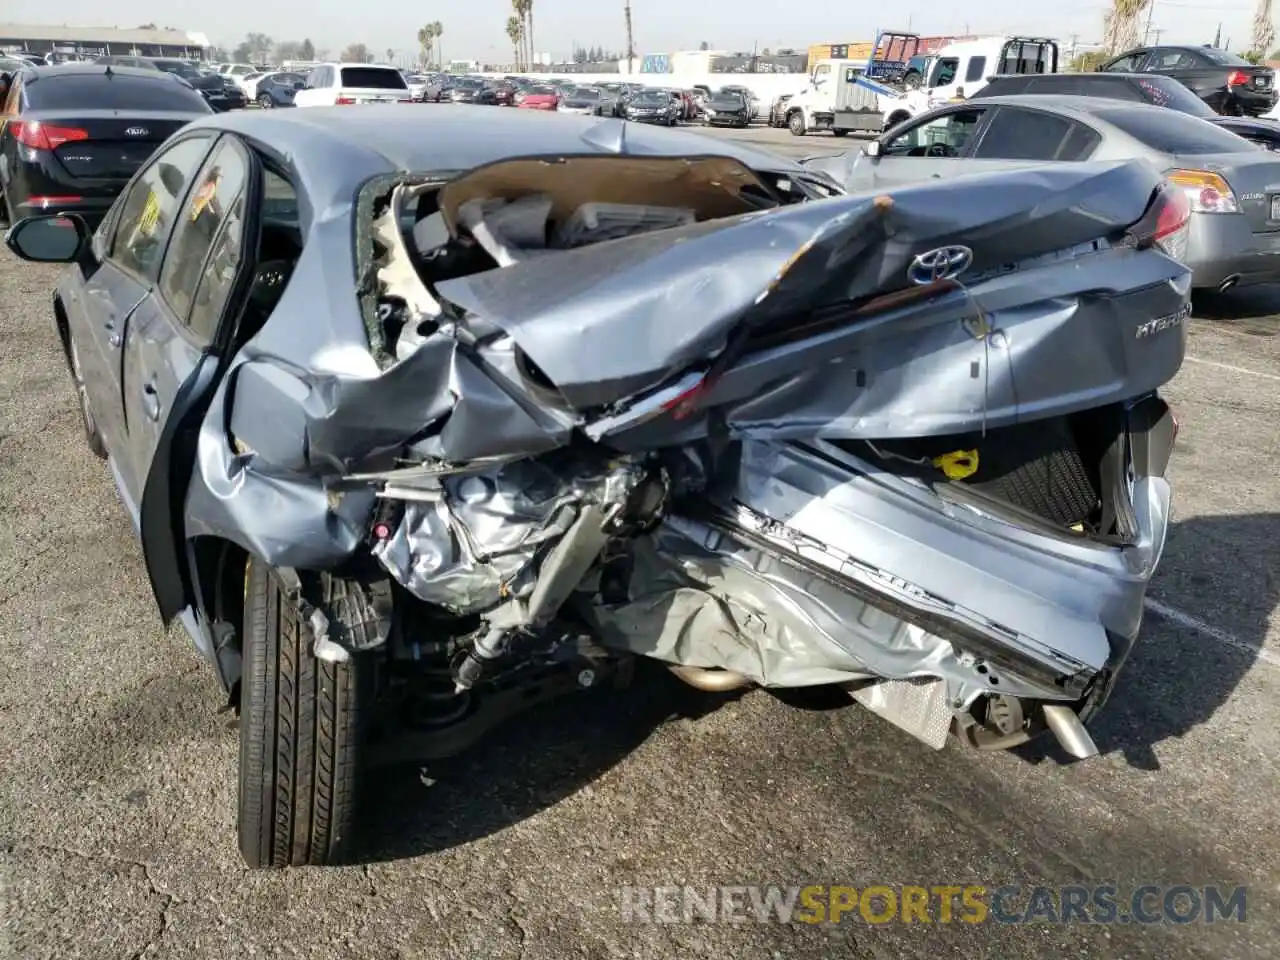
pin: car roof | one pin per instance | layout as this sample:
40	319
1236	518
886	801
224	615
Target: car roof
1072	105
335	149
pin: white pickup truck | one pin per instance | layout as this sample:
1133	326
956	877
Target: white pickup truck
839	98
959	70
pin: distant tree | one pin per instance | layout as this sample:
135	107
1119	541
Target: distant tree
147	26
515	33
288	50
356	53
1253	56
437	31
704	45
1088	62
306	50
391	54
260	46
243	53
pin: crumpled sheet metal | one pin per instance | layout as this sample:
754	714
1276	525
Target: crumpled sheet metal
472	545
745	611
607	320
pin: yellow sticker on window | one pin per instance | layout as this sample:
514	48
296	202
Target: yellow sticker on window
150	215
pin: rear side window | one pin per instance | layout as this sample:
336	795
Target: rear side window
977	67
1167	92
372	77
1031	135
1222	57
80	92
1171	132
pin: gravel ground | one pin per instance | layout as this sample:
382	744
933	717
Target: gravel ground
117	799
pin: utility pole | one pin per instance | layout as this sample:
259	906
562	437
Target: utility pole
1146	34
1071	50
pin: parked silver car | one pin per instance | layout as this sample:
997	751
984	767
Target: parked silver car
408	446
1231	184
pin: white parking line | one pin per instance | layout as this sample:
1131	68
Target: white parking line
1227	366
1210	631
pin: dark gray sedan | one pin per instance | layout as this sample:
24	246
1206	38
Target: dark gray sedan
1231	184
427	416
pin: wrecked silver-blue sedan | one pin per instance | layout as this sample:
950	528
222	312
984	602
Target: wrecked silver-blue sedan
425	416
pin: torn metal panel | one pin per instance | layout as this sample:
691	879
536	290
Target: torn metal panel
468	543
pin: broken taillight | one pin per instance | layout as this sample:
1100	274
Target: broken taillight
1165	223
683	404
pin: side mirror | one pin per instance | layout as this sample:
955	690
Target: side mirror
872	148
58	238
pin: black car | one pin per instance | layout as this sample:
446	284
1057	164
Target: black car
80	131
278	89
728	110
460	90
1229	84
221	92
1150	88
652	106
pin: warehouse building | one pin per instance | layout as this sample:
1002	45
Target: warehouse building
72	41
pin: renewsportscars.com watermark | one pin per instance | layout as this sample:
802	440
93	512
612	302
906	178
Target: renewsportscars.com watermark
971	904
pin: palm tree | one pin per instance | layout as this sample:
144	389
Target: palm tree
631	45
1120	31
521	7
528	13
391	54
437	31
425	36
515	32
1264	31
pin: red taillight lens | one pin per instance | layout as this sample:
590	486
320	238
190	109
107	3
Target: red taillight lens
684	404
45	136
1165	222
345	101
1237	78
1173	213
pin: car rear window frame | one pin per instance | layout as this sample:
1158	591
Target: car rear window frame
370	71
165	85
1141	126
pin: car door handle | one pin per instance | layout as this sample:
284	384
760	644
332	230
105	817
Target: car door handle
151	401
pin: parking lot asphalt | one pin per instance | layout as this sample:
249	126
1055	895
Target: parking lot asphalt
118	794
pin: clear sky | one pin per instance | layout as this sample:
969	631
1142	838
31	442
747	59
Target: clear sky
476	28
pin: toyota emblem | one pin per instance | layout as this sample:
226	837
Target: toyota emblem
136	131
943	263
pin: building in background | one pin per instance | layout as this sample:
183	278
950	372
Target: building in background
102	41
861	49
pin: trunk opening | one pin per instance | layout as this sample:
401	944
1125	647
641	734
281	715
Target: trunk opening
1066	475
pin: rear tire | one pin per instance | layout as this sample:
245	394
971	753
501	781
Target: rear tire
839	133
300	733
795	123
91	435
264	101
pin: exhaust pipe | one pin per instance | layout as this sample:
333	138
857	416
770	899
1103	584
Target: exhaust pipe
1228	283
710	681
1065	724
